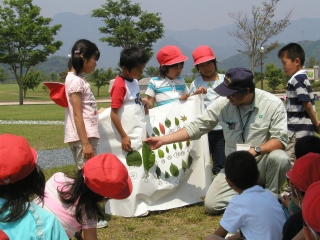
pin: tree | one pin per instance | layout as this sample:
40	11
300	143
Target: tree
312	62
151	71
26	39
273	75
101	77
53	76
3	76
32	80
254	32
127	25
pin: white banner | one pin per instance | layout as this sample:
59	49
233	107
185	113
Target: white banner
174	175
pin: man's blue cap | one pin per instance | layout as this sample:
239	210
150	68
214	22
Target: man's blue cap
234	80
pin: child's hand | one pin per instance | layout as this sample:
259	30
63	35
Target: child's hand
184	97
285	200
126	144
87	151
317	128
145	105
200	90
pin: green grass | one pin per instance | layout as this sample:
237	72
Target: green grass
10	92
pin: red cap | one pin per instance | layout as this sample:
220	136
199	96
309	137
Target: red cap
311	206
202	54
106	175
305	171
170	55
57	93
17	158
3	236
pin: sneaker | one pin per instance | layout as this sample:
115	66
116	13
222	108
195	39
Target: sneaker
102	224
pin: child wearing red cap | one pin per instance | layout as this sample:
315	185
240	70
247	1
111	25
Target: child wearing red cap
169	86
304	172
126	102
20	180
81	115
75	200
311	212
206	63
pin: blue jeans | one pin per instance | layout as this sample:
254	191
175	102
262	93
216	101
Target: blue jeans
216	147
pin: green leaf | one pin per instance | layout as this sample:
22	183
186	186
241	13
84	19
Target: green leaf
156	131
148	158
167	122
184	165
134	159
160	153
188	143
167	149
180	145
158	172
174	170
174	146
166	175
176	121
190	160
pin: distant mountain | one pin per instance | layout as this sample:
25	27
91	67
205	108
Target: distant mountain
225	47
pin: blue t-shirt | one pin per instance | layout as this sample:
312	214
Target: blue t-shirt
34	225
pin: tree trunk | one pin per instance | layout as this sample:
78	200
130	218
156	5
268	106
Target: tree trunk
20	93
98	91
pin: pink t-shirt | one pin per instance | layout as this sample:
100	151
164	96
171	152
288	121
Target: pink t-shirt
63	212
76	84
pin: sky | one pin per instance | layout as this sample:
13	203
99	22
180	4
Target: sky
188	14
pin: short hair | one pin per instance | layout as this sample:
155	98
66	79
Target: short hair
133	57
241	169
87	49
163	70
18	195
307	144
214	63
293	50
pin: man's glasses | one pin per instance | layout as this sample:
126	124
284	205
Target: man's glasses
233	95
309	233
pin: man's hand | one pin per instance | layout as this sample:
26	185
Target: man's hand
154	142
126	144
252	152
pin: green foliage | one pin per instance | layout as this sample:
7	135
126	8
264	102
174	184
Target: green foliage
101	77
151	71
26	39
255	31
3	76
274	76
127	25
32	80
312	62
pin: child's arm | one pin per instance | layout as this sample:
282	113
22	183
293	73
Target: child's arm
313	116
125	140
87	149
89	234
145	105
220	233
150	102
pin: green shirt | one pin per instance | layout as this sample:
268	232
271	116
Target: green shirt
268	120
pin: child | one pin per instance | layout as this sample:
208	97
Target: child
125	92
20	180
304	172
75	201
206	63
81	116
311	212
255	212
301	112
170	86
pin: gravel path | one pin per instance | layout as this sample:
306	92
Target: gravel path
55	158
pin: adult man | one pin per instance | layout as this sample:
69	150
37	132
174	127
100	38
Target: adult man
248	116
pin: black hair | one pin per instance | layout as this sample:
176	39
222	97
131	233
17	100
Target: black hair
293	50
163	70
83	49
133	57
307	144
241	169
18	195
86	201
214	63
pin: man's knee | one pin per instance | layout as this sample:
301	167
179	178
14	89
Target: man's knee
280	158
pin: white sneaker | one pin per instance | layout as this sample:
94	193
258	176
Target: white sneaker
102	224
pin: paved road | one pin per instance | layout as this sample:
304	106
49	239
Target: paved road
43	102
